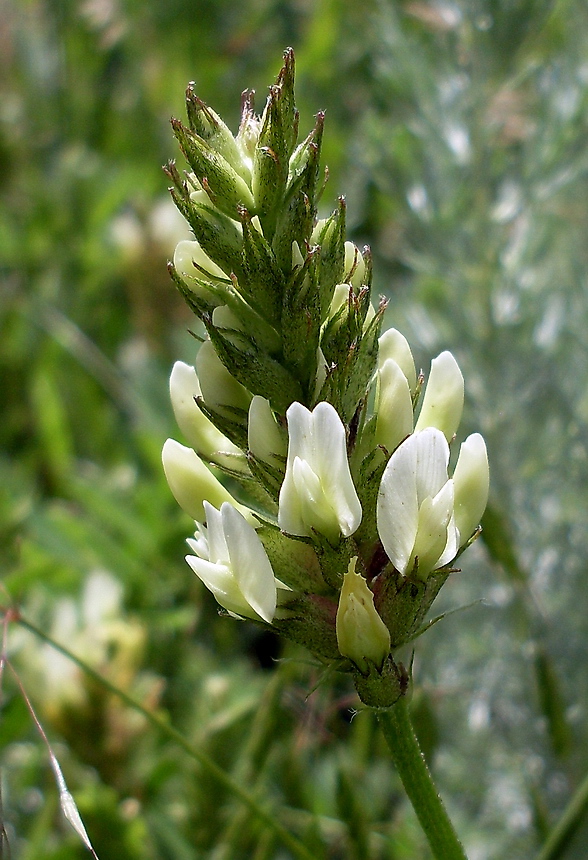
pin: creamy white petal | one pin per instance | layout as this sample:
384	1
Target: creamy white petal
443	401
317	492
333	467
265	439
432	459
472	482
398	506
192	482
431	540
393	344
219	388
249	561
394	415
201	433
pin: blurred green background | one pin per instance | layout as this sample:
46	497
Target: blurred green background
457	131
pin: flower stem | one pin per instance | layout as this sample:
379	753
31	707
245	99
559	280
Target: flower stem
418	782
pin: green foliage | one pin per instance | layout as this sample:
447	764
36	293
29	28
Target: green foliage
457	132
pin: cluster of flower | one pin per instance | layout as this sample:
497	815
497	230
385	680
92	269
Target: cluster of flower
343	497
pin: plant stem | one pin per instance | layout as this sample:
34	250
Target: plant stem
418	782
565	828
268	817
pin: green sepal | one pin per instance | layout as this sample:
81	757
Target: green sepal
255	369
294	562
198	304
219	236
263	281
367	482
270	164
332	256
310	621
269	476
287	104
301	323
382	689
232	422
403	601
334	560
298	212
227	190
351	354
208	125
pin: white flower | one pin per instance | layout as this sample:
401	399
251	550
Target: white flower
266	440
361	634
192	482
471	479
443	401
233	564
317	492
201	433
393	344
415	505
394	416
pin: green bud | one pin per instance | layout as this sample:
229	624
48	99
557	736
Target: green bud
203	277
331	239
263	282
227	190
301	322
270	164
256	370
220	237
298	211
208	125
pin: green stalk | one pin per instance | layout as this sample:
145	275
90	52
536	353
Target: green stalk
418	782
268	817
565	828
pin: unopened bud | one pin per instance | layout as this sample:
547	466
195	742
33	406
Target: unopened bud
361	634
443	400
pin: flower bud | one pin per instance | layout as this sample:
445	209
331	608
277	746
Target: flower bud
318	492
191	482
266	439
443	401
221	392
201	433
415	505
354	266
361	634
394	416
201	275
208	125
232	563
471	480
393	344
226	189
